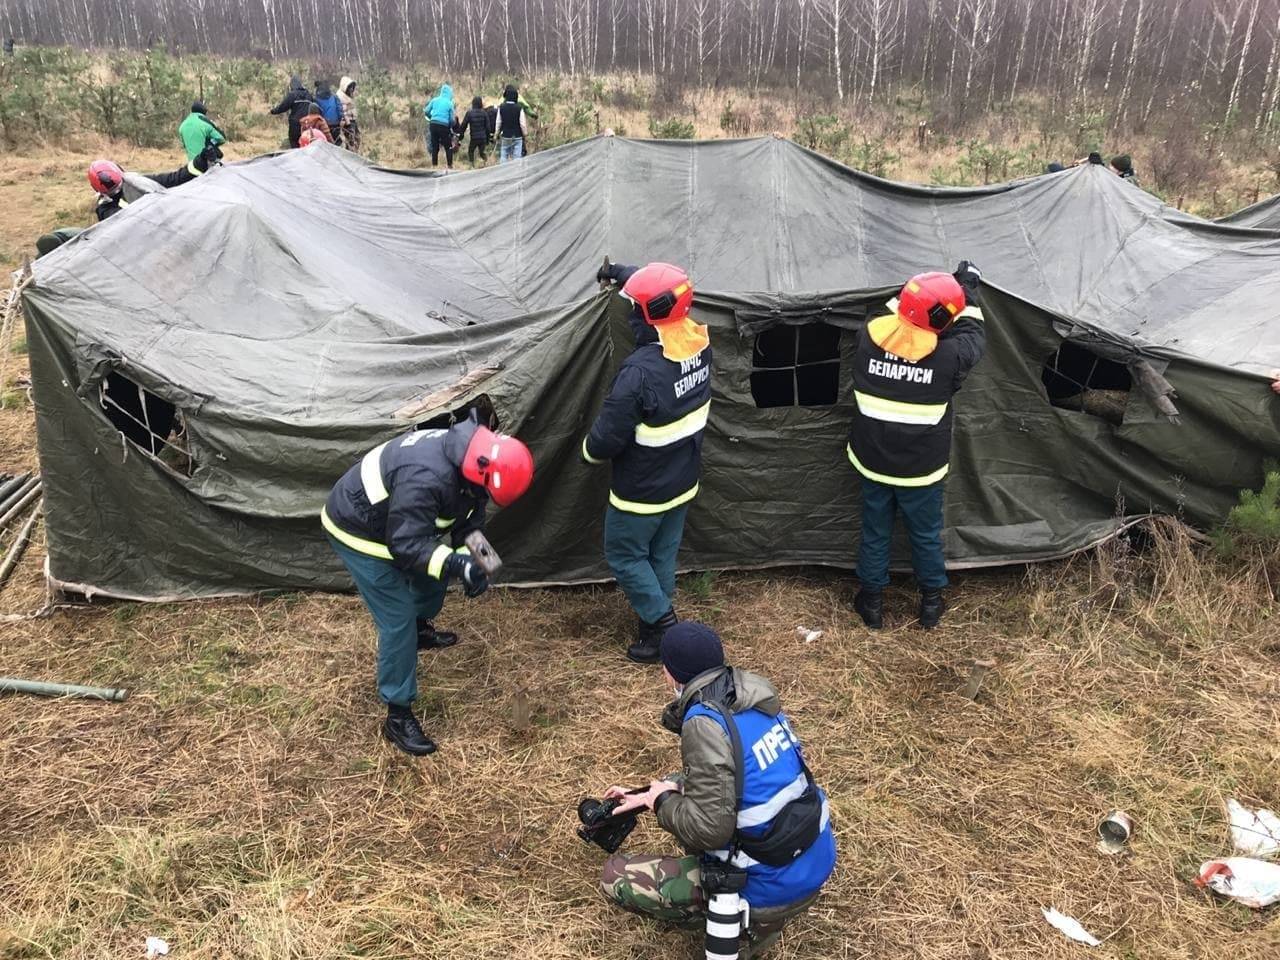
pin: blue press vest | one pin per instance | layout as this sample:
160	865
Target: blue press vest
771	778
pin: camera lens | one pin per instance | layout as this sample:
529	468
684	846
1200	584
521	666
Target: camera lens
588	810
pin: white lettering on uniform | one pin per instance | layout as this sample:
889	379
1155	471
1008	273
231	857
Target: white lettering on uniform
417	435
902	370
777	740
688	382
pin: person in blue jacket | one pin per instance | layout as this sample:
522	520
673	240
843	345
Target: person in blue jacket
442	121
330	108
746	799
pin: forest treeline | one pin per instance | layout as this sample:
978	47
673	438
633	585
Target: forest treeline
1212	61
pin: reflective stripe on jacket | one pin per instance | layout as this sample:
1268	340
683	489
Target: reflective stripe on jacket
650	427
772	778
406	501
901	429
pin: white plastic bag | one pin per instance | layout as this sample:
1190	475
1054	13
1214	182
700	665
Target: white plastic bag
1255	832
1255	883
1069	926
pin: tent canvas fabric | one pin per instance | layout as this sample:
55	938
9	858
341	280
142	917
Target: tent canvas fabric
291	341
1263	215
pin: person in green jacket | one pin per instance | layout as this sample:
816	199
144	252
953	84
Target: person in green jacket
200	136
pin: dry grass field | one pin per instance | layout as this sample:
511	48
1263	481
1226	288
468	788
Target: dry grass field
241	803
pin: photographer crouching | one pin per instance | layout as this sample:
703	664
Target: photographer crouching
746	808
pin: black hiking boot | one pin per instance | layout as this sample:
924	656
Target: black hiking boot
429	638
869	605
932	606
403	729
648	645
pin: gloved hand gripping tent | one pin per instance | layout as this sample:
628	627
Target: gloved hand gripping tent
286	347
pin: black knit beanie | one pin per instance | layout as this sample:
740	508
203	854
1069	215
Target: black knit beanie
690	648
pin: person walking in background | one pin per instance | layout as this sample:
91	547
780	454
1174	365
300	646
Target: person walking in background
330	109
297	103
441	121
476	125
511	126
349	124
200	138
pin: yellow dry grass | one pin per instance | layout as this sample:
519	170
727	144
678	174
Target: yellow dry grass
241	803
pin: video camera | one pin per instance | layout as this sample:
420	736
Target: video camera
601	827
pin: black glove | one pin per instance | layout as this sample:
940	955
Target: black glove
608	273
968	276
474	580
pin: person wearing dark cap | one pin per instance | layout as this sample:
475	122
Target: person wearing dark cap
201	138
1123	167
745	799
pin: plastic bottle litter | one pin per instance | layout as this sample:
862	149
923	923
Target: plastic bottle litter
1255	832
1070	927
1255	883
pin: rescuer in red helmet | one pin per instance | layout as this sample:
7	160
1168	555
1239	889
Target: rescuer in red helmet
398	520
908	365
650	426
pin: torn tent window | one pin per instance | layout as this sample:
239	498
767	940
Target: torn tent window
482	405
796	366
152	424
1077	378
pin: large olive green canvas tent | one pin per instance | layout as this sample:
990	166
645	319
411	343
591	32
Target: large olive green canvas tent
295	310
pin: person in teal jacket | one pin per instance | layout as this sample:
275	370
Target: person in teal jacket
441	123
200	136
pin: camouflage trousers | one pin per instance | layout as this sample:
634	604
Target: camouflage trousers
669	889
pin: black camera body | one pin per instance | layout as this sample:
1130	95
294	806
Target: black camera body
601	827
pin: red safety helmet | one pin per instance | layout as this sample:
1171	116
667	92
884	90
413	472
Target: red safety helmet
931	301
312	135
662	292
106	177
501	463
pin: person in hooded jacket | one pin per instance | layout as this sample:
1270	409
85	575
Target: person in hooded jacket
476	125
330	108
297	103
350	126
442	120
512	126
744	782
650	428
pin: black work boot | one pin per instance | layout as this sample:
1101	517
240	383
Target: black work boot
932	606
869	605
648	645
429	638
403	729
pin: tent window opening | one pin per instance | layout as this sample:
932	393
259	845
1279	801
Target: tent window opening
1076	378
796	366
153	425
481	405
